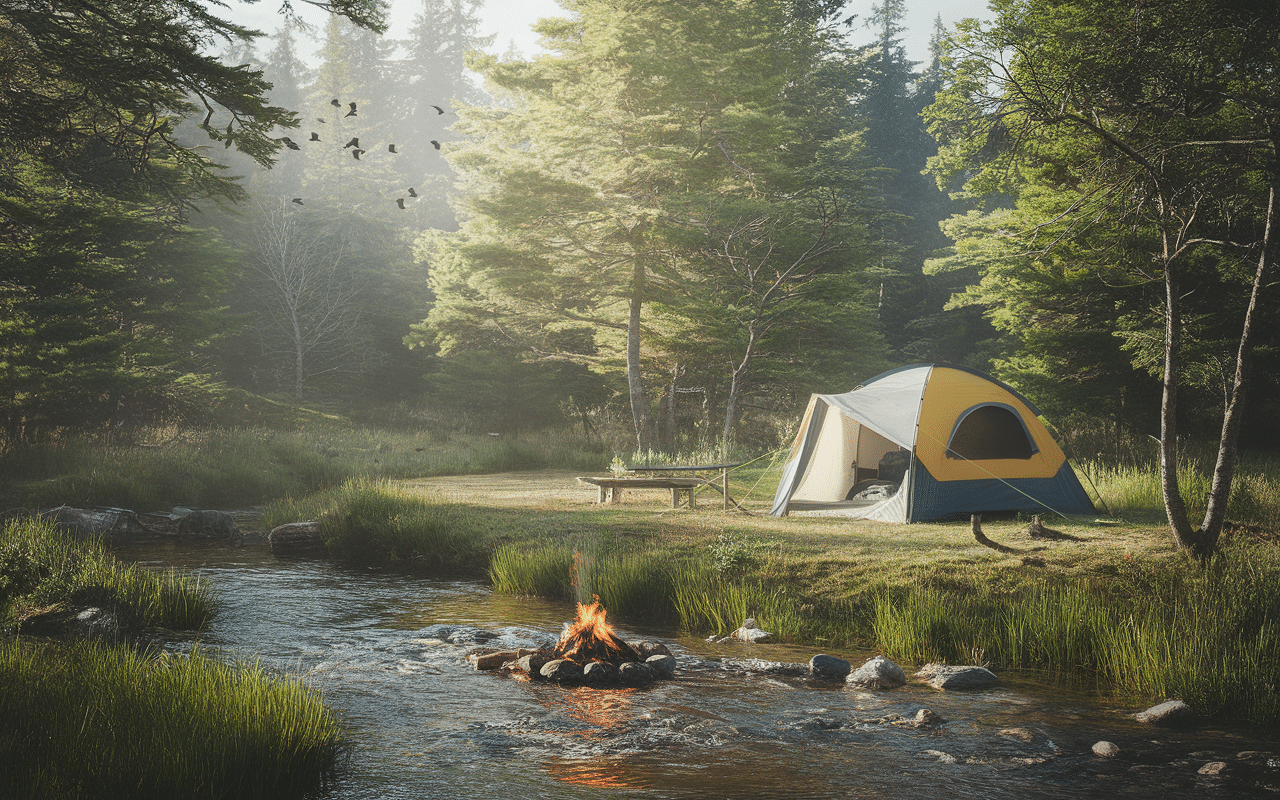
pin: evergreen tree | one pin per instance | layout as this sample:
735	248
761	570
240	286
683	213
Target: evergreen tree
1157	124
431	77
289	76
911	312
108	297
654	141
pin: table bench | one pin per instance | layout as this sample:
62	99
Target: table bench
611	488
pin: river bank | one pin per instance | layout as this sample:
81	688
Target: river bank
1107	600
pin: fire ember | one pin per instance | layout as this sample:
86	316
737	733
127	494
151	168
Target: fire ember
587	653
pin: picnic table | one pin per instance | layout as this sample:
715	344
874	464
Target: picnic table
685	479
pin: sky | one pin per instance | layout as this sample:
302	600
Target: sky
511	20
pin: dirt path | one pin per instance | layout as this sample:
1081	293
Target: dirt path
512	488
543	488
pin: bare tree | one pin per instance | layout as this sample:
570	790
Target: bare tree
309	318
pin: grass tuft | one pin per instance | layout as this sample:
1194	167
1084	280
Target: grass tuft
88	720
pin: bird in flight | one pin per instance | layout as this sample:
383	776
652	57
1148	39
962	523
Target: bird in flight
355	142
412	193
334	102
391	148
298	200
356	153
352	112
438	109
315	137
400	202
435	144
289	143
320	119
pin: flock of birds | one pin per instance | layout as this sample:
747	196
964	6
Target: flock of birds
354	144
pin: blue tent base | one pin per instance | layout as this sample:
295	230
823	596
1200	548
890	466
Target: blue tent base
933	499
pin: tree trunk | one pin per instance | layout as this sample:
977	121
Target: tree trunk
635	382
735	389
299	360
668	425
1175	509
1228	444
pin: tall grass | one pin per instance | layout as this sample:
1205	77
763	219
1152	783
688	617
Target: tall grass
375	521
1134	491
1207	636
691	592
536	572
239	468
87	720
42	568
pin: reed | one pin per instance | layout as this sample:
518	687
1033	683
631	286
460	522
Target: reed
88	720
42	568
537	572
1208	636
636	586
375	521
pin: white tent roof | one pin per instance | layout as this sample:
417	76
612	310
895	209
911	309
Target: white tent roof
893	409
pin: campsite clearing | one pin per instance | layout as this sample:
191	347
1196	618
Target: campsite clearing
835	557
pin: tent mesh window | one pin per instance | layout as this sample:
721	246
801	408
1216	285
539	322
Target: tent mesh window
988	432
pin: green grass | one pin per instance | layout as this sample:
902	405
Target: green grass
1208	636
43	569
1133	492
376	521
538	572
87	720
239	468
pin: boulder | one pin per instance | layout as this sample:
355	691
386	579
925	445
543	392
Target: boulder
601	673
97	623
924	718
561	670
1170	712
532	663
663	665
646	649
296	539
1021	734
1105	749
941	676
748	633
878	673
829	667
490	661
943	758
633	673
94	521
209	524
1213	768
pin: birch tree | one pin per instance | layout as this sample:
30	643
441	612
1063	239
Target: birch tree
1164	118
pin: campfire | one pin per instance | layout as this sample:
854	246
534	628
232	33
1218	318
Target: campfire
588	652
589	638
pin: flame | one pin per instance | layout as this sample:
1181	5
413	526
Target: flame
589	638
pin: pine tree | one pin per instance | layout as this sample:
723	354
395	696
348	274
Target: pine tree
653	141
430	80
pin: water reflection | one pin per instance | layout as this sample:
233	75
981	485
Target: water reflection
599	773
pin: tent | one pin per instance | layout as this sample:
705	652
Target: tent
925	441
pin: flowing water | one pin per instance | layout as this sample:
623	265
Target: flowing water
387	652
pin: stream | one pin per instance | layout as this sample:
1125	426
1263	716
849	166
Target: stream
387	650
